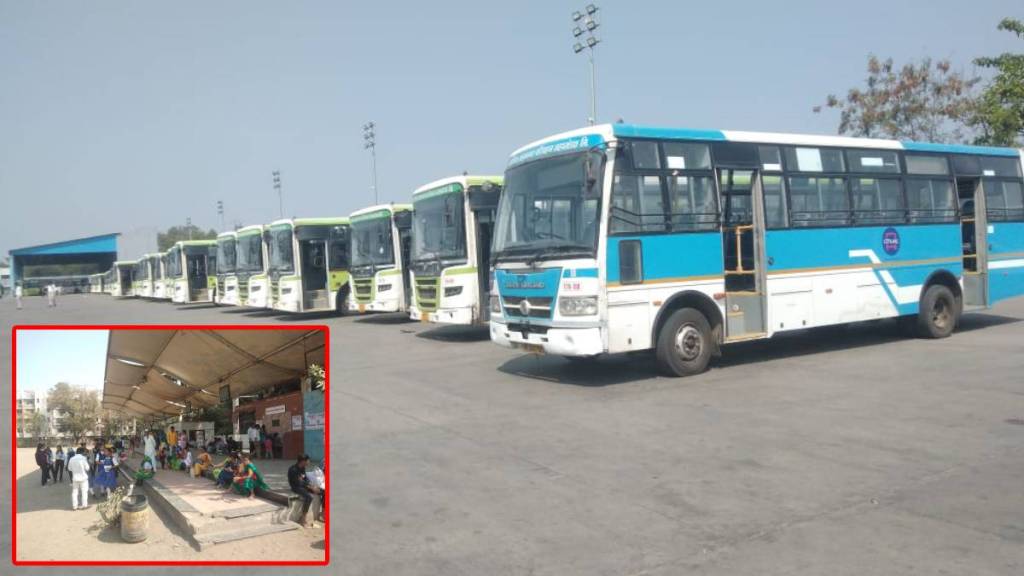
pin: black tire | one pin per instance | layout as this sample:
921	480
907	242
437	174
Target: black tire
684	344
938	314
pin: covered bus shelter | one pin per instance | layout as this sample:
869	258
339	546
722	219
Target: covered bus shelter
159	374
70	258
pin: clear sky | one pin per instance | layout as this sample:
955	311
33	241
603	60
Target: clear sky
46	357
117	115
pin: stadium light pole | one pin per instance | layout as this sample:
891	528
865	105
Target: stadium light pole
585	24
188	226
277	186
370	143
220	212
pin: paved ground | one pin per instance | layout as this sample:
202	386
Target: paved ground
841	451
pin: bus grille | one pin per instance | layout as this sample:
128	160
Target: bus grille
243	290
427	293
540	307
363	289
275	285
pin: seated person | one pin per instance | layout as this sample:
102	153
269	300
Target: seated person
186	462
225	473
161	455
301	483
248	478
203	463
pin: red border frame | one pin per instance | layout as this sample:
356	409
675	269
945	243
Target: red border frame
14	442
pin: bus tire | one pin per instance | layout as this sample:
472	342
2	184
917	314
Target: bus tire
937	317
341	302
684	343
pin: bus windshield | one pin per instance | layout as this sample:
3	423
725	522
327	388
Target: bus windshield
226	256
281	256
371	243
158	273
439	228
546	210
249	253
174	263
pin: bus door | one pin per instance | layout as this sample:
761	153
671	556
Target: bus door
483	203
313	262
403	226
973	232
743	252
196	274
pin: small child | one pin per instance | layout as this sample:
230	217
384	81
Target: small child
161	455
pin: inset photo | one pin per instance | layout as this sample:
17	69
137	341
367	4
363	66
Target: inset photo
165	445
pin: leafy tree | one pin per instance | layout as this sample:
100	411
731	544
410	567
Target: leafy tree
80	407
925	101
39	426
999	114
219	415
164	240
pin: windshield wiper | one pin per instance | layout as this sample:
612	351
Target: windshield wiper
557	249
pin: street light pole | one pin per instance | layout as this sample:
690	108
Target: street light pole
586	23
370	142
277	186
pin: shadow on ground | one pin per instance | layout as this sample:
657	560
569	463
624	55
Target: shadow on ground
626	368
456	334
385	318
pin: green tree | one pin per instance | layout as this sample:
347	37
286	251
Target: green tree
999	113
80	408
925	101
219	415
39	426
164	240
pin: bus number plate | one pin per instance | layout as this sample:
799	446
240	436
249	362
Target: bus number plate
362	308
424	317
532	348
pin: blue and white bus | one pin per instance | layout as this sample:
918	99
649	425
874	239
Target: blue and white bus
620	238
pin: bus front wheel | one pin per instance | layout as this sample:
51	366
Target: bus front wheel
684	343
341	302
938	312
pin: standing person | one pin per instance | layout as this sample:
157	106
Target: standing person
106	475
149	446
172	437
17	295
300	484
97	453
41	461
58	465
268	446
78	467
254	439
51	295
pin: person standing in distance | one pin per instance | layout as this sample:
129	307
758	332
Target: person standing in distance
79	468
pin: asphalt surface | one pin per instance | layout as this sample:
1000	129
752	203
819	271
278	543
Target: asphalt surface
851	450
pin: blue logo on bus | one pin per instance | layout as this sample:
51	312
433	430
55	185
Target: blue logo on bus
891	241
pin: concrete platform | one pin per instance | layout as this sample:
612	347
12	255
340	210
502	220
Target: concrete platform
209	515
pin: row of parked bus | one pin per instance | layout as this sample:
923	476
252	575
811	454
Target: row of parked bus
622	238
428	259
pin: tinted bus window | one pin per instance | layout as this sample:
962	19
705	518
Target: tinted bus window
927	165
873	161
877	200
930	200
692	203
819	201
686	156
1004	200
1007	167
800	159
774	201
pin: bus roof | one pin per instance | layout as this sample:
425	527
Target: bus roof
391	208
250	229
465	180
596	135
298	222
124	263
195	243
228	234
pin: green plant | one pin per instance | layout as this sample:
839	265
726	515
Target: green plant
110	509
317	377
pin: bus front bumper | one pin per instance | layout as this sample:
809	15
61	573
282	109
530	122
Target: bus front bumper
375	306
561	341
463	316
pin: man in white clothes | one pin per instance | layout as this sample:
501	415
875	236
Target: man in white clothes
78	466
254	440
51	295
149	446
17	295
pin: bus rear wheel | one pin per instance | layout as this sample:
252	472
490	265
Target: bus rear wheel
938	314
684	343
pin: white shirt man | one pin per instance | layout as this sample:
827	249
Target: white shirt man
17	295
149	447
78	466
254	440
51	295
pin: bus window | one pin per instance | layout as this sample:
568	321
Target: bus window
873	161
774	201
686	156
878	201
930	200
1009	167
819	201
692	204
771	158
1004	200
800	159
645	155
637	204
927	165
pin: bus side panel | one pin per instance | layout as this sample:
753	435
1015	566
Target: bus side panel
1005	260
670	263
822	276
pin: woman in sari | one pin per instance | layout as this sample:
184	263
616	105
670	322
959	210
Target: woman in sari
203	463
146	471
248	479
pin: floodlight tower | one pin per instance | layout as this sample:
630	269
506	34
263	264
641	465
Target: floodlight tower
370	143
585	24
277	186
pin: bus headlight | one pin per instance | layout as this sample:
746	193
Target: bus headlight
452	291
383	287
495	304
577	305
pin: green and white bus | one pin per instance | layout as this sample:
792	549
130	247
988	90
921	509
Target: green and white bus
451	239
227	282
148	276
166	282
124	270
96	283
379	248
251	274
309	264
140	278
188	266
157	264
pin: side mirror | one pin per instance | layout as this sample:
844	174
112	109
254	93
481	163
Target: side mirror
590	174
